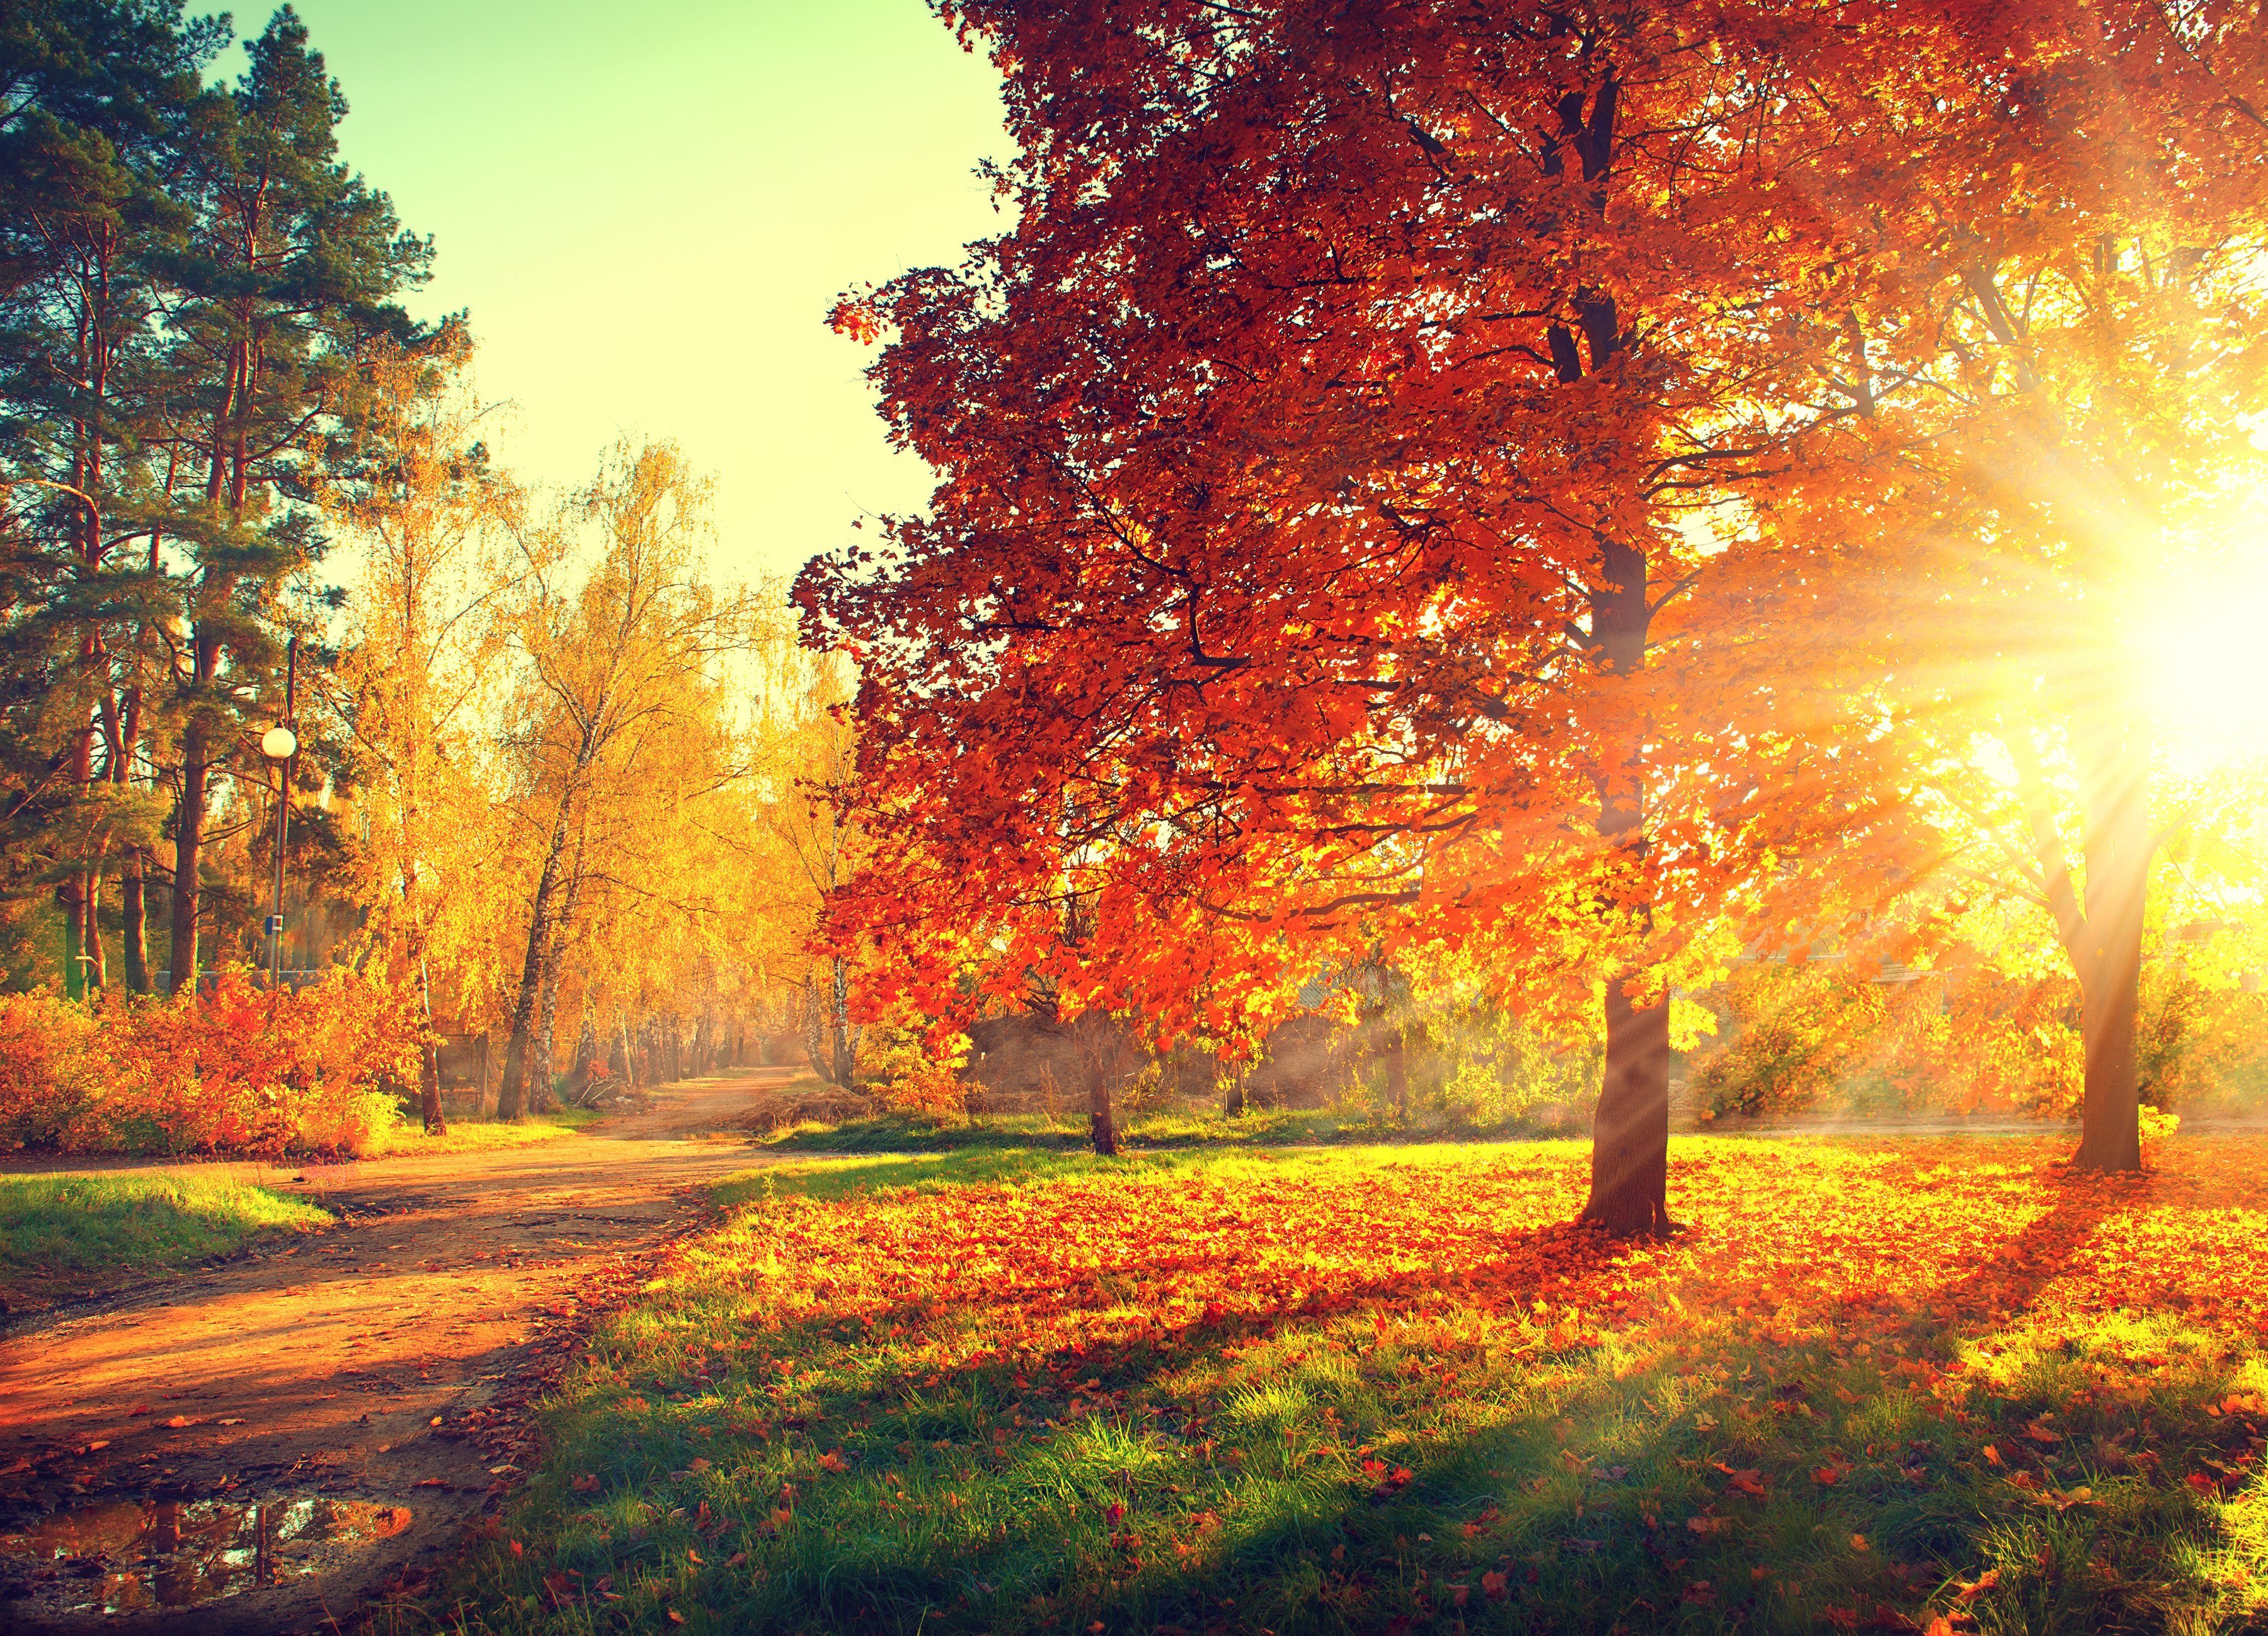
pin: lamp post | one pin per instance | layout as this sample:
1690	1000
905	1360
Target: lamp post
279	744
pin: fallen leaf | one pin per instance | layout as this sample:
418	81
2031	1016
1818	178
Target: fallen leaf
1977	1587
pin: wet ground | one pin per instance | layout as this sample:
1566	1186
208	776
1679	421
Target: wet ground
263	1446
126	1556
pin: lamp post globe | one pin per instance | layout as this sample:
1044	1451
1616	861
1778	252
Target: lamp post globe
279	743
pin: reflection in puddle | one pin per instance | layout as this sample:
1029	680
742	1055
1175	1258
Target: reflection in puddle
171	1553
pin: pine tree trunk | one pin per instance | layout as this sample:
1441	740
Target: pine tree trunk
133	912
98	966
71	902
2109	961
188	849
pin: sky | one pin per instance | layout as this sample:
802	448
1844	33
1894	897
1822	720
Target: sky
648	212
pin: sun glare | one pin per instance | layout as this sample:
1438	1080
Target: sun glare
2204	644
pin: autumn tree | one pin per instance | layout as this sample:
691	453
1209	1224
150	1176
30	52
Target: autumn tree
807	760
1368	467
615	670
2067	325
426	519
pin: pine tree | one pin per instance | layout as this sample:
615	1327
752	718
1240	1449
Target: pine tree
292	278
104	94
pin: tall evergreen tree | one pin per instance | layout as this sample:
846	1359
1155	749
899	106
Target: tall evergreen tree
291	277
192	286
99	95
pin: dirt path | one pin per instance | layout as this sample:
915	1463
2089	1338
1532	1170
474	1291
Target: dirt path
259	1447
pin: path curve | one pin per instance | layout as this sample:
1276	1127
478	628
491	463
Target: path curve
369	1376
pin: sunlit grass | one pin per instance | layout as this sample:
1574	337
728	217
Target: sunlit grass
1161	1128
1872	1387
466	1136
63	1234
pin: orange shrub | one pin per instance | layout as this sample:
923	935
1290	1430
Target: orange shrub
1824	1038
49	1066
244	1069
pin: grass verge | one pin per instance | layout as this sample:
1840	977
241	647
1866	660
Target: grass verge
898	1131
466	1136
61	1235
1916	1386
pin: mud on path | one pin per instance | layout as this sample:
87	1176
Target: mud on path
262	1445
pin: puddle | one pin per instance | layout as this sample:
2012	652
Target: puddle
136	1555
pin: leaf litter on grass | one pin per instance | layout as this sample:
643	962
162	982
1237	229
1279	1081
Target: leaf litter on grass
1339	1390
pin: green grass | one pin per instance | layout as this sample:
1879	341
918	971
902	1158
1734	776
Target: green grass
61	1235
1148	1131
767	1443
477	1136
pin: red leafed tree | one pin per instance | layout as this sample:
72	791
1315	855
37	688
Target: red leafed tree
1412	471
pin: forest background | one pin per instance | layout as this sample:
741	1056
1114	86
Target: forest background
555	781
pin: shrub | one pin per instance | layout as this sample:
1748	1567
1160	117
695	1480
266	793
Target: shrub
48	1067
1824	1038
240	1069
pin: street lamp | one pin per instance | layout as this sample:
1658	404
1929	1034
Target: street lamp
279	744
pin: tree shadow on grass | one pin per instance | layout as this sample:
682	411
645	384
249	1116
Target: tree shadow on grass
1562	1495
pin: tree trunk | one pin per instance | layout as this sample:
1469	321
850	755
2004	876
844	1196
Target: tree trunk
429	1087
134	914
188	848
1101	1129
586	1067
1630	1134
538	1089
510	1094
71	901
814	1034
429	1051
841	1041
2109	961
98	966
1397	1075
1232	1099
